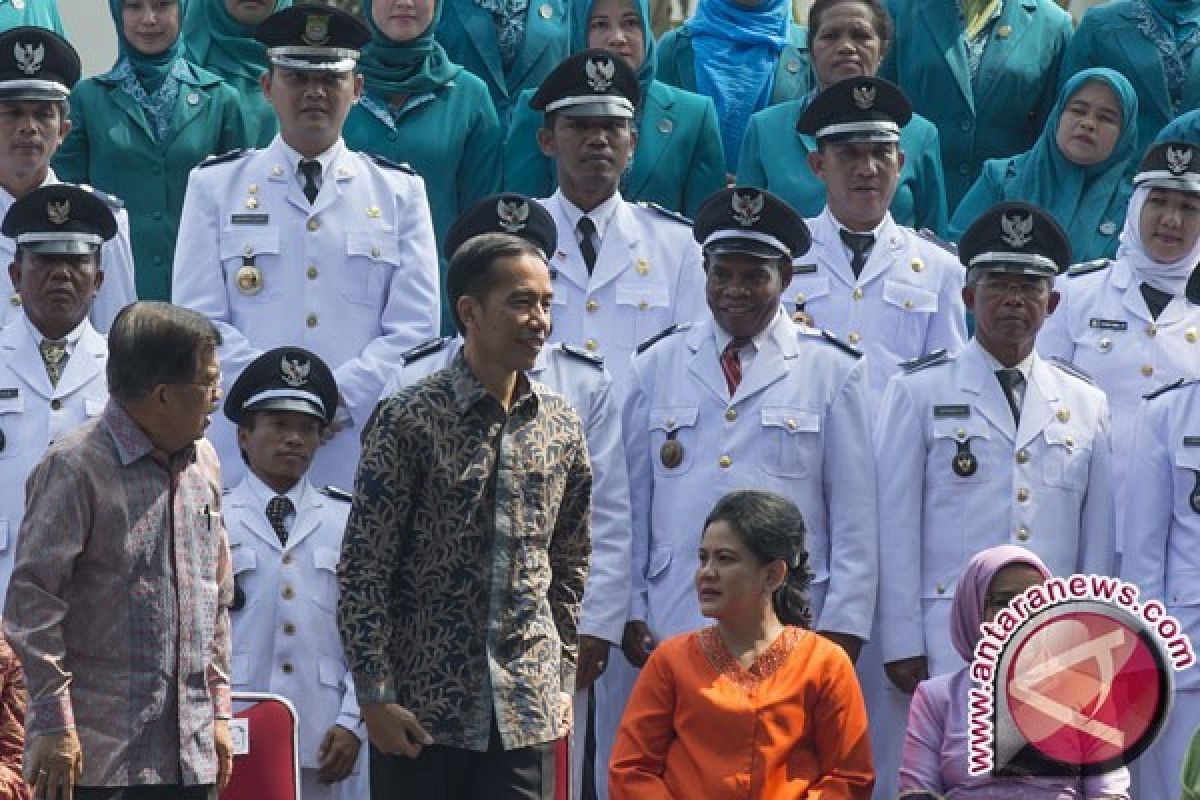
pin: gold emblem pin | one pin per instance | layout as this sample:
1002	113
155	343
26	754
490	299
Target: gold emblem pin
1063	414
373	212
252	188
917	265
1190	335
545	11
249	279
671	452
1003	31
251	202
643	266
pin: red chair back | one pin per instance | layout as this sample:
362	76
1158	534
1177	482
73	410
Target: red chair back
271	768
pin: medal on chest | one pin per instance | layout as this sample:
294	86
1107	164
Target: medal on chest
249	278
965	463
671	452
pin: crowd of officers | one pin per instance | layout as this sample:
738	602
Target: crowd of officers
831	364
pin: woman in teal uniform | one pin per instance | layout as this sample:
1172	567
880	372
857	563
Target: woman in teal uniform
219	36
846	38
984	72
745	55
420	108
1153	44
511	44
678	162
138	129
1077	170
42	13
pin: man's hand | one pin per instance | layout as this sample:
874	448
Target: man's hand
637	642
55	764
593	660
336	755
851	644
907	673
393	728
223	744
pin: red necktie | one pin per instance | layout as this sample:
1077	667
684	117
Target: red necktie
731	363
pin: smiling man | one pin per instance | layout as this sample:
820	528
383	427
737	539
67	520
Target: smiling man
466	552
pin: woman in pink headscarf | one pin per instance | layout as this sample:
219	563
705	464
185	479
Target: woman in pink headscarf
934	764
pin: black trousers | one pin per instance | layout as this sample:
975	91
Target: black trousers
208	792
449	773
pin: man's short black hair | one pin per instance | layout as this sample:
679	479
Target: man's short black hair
154	343
472	267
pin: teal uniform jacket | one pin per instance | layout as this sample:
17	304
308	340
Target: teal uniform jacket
260	116
775	157
111	146
468	35
453	140
41	13
1108	36
678	162
793	74
993	187
1003	111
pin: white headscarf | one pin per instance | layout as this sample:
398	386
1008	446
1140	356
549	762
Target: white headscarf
1171	277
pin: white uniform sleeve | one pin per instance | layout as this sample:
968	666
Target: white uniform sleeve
1098	544
634	418
1147	522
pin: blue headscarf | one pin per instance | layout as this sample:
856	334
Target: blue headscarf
218	42
736	51
152	81
1184	128
418	66
1078	196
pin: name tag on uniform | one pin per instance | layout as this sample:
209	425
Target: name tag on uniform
9	394
250	219
1108	324
803	269
1191	441
951	411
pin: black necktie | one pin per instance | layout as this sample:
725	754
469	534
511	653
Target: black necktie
586	229
311	170
1010	381
1156	299
278	509
860	245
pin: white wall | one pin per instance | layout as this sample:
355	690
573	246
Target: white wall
90	29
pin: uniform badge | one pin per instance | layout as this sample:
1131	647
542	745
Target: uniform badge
643	266
864	97
193	99
1105	344
1016	231
316	29
747	207
917	265
1178	161
251	203
600	73
512	217
1108	227
965	463
1003	31
249	278
29	58
1190	335
1063	414
671	452
58	213
373	212
665	126
294	371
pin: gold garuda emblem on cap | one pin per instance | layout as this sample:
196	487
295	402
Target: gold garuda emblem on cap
294	371
600	73
747	208
29	58
58	213
316	29
1016	231
512	216
1178	161
864	96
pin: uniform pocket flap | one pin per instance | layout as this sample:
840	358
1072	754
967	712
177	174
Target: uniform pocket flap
635	294
669	419
792	420
660	559
805	287
12	405
372	245
959	428
244	244
1062	435
1188	458
909	297
330	672
243	559
325	558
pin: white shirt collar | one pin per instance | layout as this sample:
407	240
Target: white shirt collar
1025	367
724	337
263	493
71	339
325	159
602	214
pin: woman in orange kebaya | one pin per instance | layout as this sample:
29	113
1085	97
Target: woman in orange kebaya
756	706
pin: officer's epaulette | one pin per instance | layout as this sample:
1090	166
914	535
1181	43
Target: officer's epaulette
425	349
1169	387
933	238
224	158
666	212
387	163
832	338
111	200
595	359
927	360
664	333
1087	267
1071	369
336	493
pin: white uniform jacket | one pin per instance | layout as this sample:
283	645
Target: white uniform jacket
33	413
649	275
1045	486
798	425
352	277
581	378
906	302
285	635
116	259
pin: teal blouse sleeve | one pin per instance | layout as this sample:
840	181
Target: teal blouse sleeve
987	190
526	169
923	154
706	173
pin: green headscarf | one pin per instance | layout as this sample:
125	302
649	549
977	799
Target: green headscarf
218	42
151	71
418	66
649	68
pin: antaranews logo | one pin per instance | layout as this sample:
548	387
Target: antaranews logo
1073	678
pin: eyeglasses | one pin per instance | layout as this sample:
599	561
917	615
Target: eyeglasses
1030	290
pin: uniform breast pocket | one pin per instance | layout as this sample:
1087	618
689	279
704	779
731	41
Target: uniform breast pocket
645	307
325	585
1187	482
11	420
1068	456
911	307
804	291
252	265
330	673
960	451
370	258
673	440
792	442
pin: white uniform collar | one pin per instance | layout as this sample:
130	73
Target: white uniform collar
836	227
262	493
724	338
6	198
71	339
601	215
326	159
1025	367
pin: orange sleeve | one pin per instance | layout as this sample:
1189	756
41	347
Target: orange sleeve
647	729
842	742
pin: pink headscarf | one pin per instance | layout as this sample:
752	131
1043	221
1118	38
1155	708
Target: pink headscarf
971	594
